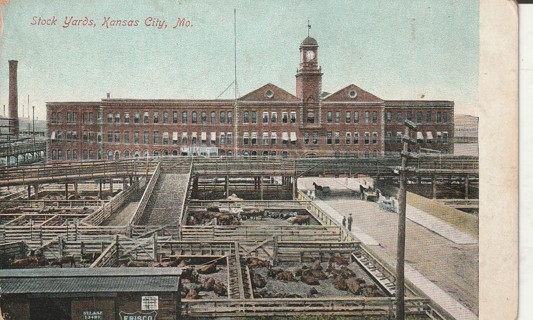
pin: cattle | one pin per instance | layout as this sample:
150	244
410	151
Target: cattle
220	289
347	273
257	263
89	257
316	265
189	274
64	260
26	263
308	278
138	264
258	281
353	285
207	269
273	272
319	274
339	260
299	219
312	293
208	284
192	294
253	214
227	220
285	276
340	283
317	187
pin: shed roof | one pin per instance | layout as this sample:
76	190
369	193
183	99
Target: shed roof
89	280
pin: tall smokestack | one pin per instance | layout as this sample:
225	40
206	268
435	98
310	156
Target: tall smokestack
13	97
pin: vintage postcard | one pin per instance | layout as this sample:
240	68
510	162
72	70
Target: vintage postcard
172	159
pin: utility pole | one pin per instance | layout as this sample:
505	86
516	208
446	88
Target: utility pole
402	198
33	129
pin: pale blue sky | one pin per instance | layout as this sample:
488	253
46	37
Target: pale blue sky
394	49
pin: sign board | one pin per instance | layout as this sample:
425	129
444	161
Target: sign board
92	315
138	315
149	303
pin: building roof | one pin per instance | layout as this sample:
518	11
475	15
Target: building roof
352	93
309	42
269	93
418	103
89	280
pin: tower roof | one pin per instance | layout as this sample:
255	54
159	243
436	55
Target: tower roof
309	42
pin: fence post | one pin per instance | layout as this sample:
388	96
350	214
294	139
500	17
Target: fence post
60	241
154	249
117	253
275	251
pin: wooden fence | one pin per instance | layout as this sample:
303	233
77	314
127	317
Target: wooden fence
15	250
145	197
102	214
338	306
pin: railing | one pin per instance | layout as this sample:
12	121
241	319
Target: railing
255	204
145	197
54	203
107	209
340	306
238	166
186	199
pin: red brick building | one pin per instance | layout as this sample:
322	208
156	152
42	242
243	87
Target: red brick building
268	121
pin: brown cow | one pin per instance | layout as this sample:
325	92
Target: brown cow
138	264
308	278
189	274
192	294
273	272
339	260
207	269
340	283
285	276
25	263
320	275
316	265
208	284
353	285
258	281
257	263
220	289
64	259
299	219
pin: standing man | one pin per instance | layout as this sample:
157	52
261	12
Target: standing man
350	220
344	221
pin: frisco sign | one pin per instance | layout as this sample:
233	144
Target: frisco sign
138	315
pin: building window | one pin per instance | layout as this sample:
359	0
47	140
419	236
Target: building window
127	117
230	117
117	118
254	116
398	137
315	137
408	115
136	137
109	137
59	154
156	116
126	137
165	117
68	154
222	117
246	138
306	137
91	154
374	138
356	138
59	118
445	137
203	116
445	117
274	117
126	154
184	139
174	116
399	117
184	117
356	117
165	138
419	117
254	138
222	139
375	153
117	137
109	117
109	155
194	118
273	138
388	117
53	118
246	117
213	117
265	138
145	118
293	117
439	117
310	117
329	118
194	140
91	137
428	117
337	138
337	117
156	137
229	135
388	137
265	117
284	117
329	137
367	137
348	117
145	137
91	117
367	116
136	117
348	138
374	117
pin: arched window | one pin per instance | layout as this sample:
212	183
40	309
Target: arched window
174	153
109	155
137	154
117	155
126	154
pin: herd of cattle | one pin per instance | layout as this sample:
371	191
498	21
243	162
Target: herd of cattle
36	259
235	217
337	271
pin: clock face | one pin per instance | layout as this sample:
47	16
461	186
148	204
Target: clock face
309	55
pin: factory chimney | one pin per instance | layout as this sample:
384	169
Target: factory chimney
13	97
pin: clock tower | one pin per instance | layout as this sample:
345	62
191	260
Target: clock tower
309	81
